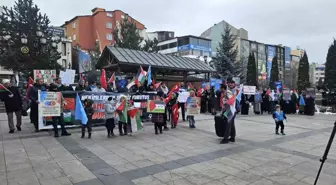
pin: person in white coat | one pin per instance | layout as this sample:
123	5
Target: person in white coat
110	116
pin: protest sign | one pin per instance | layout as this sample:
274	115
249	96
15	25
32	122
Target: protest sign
48	76
216	83
249	90
68	76
155	106
183	96
286	94
50	103
193	106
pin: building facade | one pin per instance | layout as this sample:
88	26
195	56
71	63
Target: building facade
86	30
215	32
187	46
160	35
264	54
316	72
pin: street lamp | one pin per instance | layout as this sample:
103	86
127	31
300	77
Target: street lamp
43	40
39	33
53	44
24	39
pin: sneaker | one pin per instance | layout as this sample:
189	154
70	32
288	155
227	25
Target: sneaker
224	141
18	128
11	131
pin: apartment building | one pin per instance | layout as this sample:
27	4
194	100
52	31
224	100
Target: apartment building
86	30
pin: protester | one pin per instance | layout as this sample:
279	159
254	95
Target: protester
89	113
310	105
204	100
302	103
99	88
122	124
33	97
58	120
164	88
60	86
245	104
159	121
257	103
230	130
92	87
81	86
191	118
170	106
294	100
265	105
129	121
13	104
279	116
110	116
182	104
212	101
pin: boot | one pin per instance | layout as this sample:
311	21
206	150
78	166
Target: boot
89	136
56	134
282	132
277	132
232	139
108	134
83	134
11	131
65	133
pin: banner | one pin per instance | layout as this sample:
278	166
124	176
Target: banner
183	96
50	103
193	106
84	62
249	90
286	94
214	82
48	76
270	56
287	57
278	85
156	106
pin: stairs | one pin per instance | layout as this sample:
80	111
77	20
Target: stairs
2	107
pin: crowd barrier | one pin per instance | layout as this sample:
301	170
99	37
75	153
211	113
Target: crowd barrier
99	98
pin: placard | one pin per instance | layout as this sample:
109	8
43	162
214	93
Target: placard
183	96
249	90
286	94
68	76
48	76
50	103
194	106
155	106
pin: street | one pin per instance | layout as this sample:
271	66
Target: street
181	156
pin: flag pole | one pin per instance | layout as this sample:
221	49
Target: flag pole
6	88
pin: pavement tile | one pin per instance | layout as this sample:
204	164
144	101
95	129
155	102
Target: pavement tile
264	181
214	173
143	163
115	179
103	172
49	171
154	169
248	176
148	180
167	176
94	163
199	179
232	180
180	182
170	165
124	167
76	171
90	182
225	168
134	174
185	171
185	161
58	181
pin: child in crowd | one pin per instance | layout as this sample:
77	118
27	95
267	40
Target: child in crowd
279	117
110	116
191	118
89	112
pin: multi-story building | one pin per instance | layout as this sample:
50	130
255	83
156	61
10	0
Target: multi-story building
160	35
316	72
215	34
264	54
86	30
64	47
291	75
187	46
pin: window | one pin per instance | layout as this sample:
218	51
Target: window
109	14
164	47
74	25
74	37
122	16
183	41
109	36
64	49
109	25
173	45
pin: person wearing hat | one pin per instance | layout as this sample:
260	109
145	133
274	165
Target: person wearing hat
279	116
33	97
230	130
13	104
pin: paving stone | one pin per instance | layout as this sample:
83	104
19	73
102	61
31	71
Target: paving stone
64	181
200	158
180	182
185	161
171	165
124	167
199	179
214	173
185	171
90	182
49	171
154	169
76	171
103	172
148	180
94	163
143	163
248	176
116	179
225	168
134	174
167	176
83	154
264	181
231	180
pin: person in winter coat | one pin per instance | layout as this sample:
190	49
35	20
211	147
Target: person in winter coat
279	116
89	113
171	113
13	104
33	97
122	124
81	86
59	120
110	116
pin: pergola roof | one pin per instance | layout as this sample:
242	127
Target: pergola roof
156	60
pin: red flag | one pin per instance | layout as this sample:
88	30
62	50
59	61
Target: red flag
30	83
268	92
174	89
175	115
121	106
103	79
157	85
200	91
82	77
112	80
231	100
166	100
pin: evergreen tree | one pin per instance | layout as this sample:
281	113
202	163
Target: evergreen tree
127	35
251	76
227	53
24	20
330	67
95	55
303	73
274	71
75	60
151	45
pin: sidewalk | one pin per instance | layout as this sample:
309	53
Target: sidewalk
181	156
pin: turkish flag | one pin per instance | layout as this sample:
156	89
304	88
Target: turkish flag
174	89
30	83
103	79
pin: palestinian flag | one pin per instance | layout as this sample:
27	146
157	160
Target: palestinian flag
122	108
2	88
190	87
30	83
112	80
230	108
157	85
136	121
131	83
199	92
175	114
141	77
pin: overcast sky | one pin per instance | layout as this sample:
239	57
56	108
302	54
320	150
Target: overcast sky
309	24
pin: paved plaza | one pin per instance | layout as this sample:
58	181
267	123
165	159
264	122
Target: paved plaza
177	157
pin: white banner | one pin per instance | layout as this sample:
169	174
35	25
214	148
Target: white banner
249	90
183	96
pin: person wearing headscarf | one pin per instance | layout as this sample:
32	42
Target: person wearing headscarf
257	103
245	104
294	100
33	97
302	103
172	102
13	104
81	86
